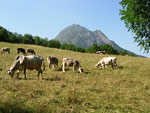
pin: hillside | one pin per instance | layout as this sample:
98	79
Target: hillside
124	89
82	37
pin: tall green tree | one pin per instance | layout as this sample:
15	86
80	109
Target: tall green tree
136	16
12	38
3	34
28	39
37	40
44	42
68	47
54	44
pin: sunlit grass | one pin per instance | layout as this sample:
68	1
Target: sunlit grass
125	89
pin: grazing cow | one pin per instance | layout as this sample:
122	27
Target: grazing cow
52	61
100	52
105	61
30	51
21	50
6	49
23	62
71	63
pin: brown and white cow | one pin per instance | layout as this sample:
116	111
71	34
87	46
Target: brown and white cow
6	49
52	61
71	63
23	62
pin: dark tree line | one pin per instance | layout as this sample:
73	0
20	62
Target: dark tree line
8	36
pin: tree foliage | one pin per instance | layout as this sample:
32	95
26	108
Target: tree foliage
3	34
28	39
68	47
54	44
106	47
136	16
8	36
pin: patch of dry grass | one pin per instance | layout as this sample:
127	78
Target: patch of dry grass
125	89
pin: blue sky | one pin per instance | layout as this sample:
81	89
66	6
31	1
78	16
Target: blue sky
46	18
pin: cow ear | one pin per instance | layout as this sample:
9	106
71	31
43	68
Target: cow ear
22	58
17	57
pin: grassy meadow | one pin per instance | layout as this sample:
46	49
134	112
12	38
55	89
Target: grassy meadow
125	89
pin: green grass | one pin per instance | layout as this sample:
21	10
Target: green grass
122	90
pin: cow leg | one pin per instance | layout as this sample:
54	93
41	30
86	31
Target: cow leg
103	66
63	68
49	65
112	66
73	68
40	73
25	74
18	74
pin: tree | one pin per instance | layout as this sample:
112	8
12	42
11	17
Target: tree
136	16
3	34
12	38
44	42
54	44
37	40
79	49
93	49
68	47
123	52
28	39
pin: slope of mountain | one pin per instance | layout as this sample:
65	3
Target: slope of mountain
82	37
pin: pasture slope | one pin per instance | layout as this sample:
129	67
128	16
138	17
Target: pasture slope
122	90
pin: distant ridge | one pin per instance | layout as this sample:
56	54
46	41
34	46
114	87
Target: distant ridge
82	37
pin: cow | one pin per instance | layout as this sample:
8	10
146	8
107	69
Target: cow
52	61
24	62
21	50
71	63
6	49
30	51
100	52
105	61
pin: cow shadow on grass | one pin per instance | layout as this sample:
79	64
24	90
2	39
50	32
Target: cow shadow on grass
87	72
55	78
25	79
120	67
14	107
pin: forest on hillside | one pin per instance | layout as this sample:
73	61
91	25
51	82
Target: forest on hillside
7	36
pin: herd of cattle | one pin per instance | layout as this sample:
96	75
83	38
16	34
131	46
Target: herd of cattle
23	62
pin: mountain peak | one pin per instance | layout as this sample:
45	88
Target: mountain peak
82	37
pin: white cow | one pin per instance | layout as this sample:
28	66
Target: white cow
26	62
105	61
71	63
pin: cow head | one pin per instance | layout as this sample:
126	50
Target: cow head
17	65
97	65
11	73
76	63
80	69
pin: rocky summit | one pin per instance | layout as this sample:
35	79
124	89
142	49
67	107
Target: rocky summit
84	38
